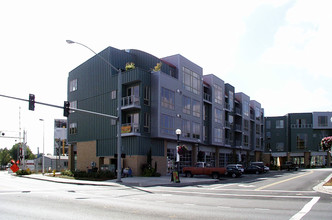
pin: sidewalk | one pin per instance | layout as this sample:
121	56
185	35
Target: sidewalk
153	181
129	181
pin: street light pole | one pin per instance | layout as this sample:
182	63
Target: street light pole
43	161
119	118
178	133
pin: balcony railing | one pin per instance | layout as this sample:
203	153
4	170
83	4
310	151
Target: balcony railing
207	97
130	102
301	125
130	129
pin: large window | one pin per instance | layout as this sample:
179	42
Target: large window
147	95
218	135
167	98
196	108
73	85
185	128
167	124
301	141
196	130
268	124
280	124
147	119
186	103
218	115
191	81
245	108
322	121
218	97
73	128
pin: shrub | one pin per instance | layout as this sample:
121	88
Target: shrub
23	172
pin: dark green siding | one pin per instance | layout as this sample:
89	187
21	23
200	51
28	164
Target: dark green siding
96	80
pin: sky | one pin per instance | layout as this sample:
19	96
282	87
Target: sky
276	52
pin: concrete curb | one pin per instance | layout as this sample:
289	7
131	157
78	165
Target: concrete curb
151	183
324	189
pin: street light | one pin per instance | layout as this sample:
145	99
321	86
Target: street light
43	163
178	133
119	119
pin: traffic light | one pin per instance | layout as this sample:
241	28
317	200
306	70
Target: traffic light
31	102
66	108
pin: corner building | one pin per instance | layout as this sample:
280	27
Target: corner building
218	125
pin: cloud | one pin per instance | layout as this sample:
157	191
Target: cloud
292	96
304	42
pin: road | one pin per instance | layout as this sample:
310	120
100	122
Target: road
275	195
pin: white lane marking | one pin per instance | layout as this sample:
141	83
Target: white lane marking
222	186
305	209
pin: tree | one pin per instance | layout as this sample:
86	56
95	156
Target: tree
4	157
14	152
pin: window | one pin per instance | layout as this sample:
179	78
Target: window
268	124
205	133
301	141
246	108
196	108
185	128
186	103
258	114
218	94
167	124
280	124
73	104
73	128
113	94
245	140
300	123
167	98
147	119
196	130
231	100
246	125
258	129
218	135
73	85
322	121
268	135
191	81
147	95
218	115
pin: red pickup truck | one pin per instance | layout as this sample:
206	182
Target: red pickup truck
202	169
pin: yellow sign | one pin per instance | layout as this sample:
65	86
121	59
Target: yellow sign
126	129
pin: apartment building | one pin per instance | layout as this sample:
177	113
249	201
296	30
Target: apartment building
219	126
296	137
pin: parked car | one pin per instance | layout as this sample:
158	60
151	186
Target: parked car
234	170
259	164
266	169
289	165
254	169
202	169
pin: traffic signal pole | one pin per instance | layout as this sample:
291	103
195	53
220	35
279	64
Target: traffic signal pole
62	107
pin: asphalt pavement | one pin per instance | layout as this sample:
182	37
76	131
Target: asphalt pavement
154	181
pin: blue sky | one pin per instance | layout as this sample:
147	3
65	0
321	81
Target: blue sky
277	52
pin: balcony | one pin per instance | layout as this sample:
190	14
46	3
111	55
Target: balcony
301	125
227	125
238	111
207	98
130	102
238	128
227	107
130	129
